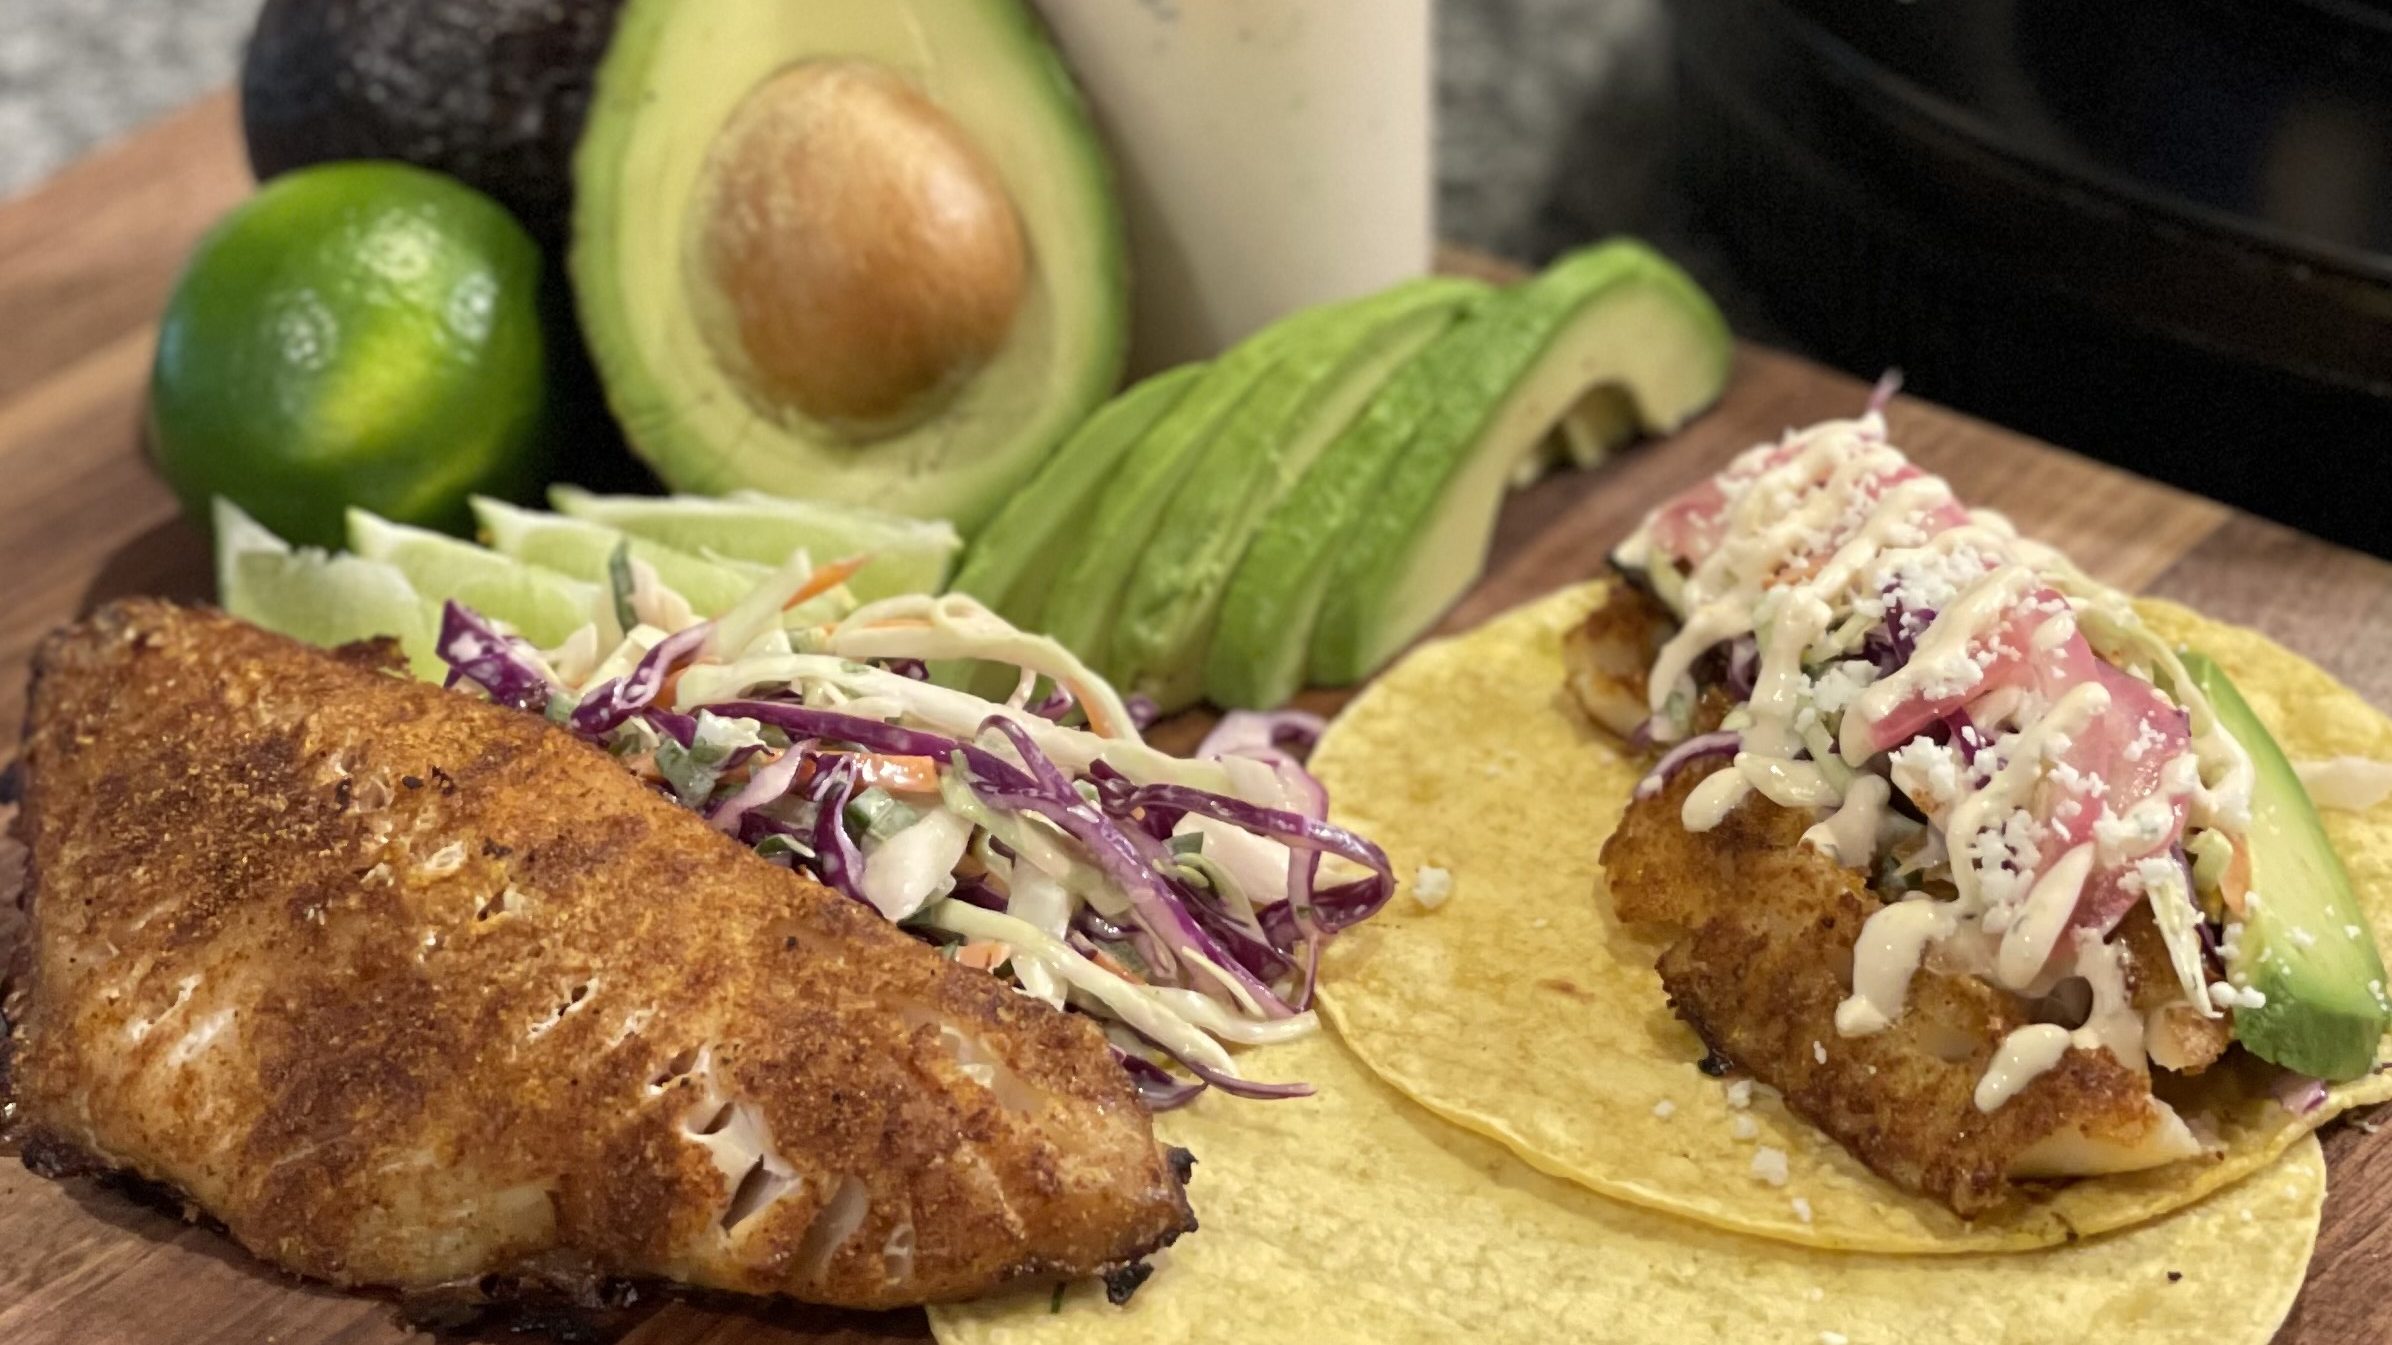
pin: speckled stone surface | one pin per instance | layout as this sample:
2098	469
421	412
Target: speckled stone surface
76	73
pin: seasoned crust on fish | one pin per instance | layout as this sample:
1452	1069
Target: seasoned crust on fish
406	988
1764	930
1607	655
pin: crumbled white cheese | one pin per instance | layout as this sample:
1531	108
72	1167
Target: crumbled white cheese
1834	1338
1802	1209
2303	937
1665	1109
1769	1164
1740	1094
1431	886
1819	1052
1744	1127
1841	684
2351	931
1927	772
2227	996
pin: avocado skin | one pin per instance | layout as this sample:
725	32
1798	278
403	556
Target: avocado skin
2322	1017
490	92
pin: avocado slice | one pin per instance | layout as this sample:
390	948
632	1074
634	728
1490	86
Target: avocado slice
859	252
1011	563
1174	594
1616	314
2326	1011
1085	595
1400	506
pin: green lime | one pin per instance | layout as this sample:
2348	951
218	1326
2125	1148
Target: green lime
319	597
909	555
354	334
583	550
546	607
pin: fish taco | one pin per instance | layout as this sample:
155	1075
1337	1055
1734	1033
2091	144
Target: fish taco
1850	870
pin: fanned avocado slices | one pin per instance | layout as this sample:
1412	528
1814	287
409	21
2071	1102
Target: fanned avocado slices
1011	563
1085	597
1394	519
1173	597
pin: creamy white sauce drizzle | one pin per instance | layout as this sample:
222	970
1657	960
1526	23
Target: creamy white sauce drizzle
2028	943
1891	944
1849	836
2025	1055
1807	564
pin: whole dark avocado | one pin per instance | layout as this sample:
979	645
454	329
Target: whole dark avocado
491	92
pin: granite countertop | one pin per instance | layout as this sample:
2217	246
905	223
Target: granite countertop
1549	110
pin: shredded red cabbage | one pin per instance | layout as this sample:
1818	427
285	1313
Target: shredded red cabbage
767	782
836	860
1230	1083
1744	666
1295	732
1048	793
2298	1093
505	666
679	727
1290	829
1718	744
1158	1088
611	702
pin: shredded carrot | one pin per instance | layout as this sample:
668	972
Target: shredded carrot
901	775
986	954
1097	724
825	578
1115	965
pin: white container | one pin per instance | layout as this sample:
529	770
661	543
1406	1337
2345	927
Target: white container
1271	154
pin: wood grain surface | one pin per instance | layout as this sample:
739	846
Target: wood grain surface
85	263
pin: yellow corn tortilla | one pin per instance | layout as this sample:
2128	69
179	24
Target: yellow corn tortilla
1355	1218
1521	1009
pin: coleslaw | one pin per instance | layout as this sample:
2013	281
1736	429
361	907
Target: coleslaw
1182	903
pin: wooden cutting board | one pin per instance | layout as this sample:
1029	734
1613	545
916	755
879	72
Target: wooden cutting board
85	263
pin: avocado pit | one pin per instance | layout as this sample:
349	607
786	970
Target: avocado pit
859	252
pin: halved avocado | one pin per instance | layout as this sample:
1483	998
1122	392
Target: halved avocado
1174	592
1393	521
865	252
2305	944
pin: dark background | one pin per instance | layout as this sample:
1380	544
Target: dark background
2150	230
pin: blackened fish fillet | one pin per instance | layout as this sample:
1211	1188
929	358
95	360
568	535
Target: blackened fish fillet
407	989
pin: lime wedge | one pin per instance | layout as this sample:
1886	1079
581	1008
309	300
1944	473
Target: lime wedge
546	607
582	549
318	597
909	555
